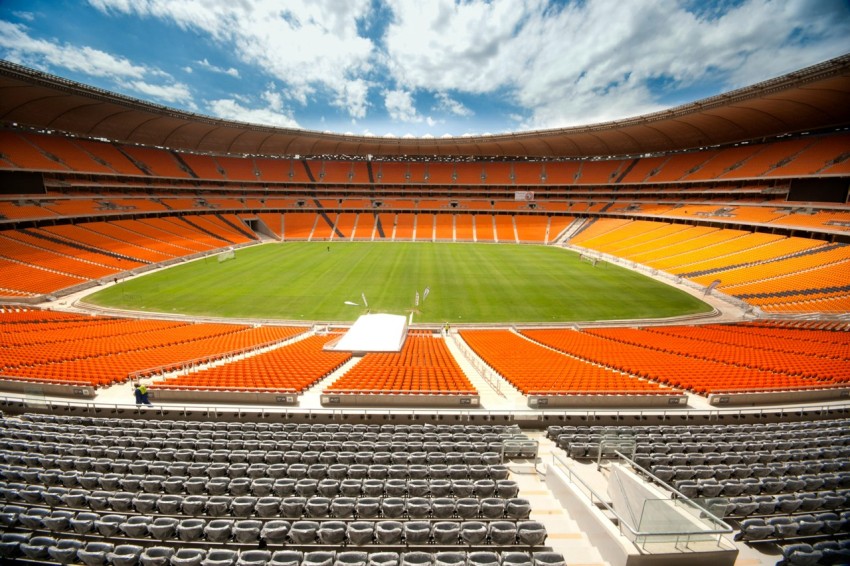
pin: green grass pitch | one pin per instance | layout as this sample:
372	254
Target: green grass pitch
468	283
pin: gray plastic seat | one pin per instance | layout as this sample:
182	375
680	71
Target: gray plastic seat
136	526
125	555
219	505
239	486
531	533
383	559
190	530
473	532
217	486
502	533
755	529
388	532
342	507
332	532
360	532
95	553
418	559
548	559
784	527
145	502
517	508
218	530
447	558
482	559
194	504
188	557
442	507
417	532
262	487
507	488
64	551
33	518
304	532
467	508
243	506
351	558
516	559
57	521
317	507
392	507
247	530
254	558
367	507
318	558
35	548
418	507
440	488
493	507
275	532
163	528
286	558
284	487
267	506
446	532
156	556
220	557
83	523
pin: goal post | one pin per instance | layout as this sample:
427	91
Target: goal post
224	256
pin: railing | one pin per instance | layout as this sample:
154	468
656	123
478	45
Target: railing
641	538
526	418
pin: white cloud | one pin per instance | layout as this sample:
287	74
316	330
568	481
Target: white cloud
172	93
447	103
584	62
28	16
50	55
399	104
273	114
233	72
307	45
47	55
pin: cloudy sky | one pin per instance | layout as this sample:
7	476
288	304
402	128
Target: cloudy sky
422	67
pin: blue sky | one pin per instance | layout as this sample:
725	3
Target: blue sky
422	68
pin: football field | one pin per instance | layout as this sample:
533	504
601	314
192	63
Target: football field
319	281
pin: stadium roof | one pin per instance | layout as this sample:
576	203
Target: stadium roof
813	98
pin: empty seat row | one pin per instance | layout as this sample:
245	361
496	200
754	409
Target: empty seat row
746	506
743	469
795	526
240	451
774	479
41	480
679	431
14	464
260	426
289	507
823	553
78	467
39	432
277	531
65	551
747	457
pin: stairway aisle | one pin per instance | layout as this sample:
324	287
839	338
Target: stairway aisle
564	534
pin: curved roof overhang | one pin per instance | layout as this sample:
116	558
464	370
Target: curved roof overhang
811	99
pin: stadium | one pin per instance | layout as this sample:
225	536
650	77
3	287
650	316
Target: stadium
622	343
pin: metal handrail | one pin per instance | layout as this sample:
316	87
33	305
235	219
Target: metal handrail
621	522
